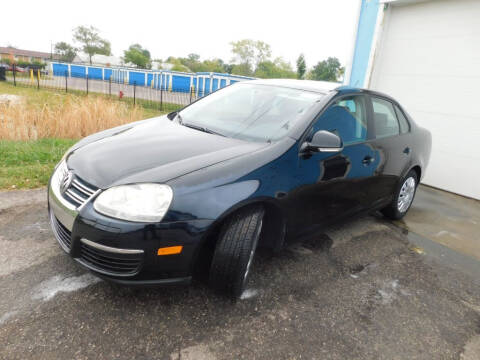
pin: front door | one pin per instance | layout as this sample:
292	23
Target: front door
336	184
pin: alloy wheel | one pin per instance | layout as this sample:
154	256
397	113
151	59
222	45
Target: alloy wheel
407	192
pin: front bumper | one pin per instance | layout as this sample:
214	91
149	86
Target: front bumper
122	251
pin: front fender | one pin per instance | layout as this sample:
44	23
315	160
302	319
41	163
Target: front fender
210	203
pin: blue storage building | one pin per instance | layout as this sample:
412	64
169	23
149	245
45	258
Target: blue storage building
201	83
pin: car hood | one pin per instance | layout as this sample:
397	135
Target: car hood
156	150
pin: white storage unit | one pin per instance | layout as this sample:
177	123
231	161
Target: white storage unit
426	54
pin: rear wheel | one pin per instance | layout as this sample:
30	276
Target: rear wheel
235	251
403	197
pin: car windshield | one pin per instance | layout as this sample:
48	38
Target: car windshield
250	111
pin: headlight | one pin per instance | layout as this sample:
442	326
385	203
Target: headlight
58	174
137	202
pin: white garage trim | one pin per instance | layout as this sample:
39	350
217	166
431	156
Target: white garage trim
373	49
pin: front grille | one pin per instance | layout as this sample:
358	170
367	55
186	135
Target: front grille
110	263
73	189
79	192
62	234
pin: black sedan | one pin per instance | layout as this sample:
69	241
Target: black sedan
253	164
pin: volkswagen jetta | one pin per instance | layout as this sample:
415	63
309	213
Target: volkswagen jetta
255	163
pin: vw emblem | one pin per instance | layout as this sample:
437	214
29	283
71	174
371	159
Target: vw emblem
66	181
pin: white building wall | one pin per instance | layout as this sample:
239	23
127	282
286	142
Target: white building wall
428	58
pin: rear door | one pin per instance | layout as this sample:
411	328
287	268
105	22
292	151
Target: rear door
392	142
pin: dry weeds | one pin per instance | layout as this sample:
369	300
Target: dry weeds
72	118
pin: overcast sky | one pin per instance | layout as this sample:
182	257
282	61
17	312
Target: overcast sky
319	29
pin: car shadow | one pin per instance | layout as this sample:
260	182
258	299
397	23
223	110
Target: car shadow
268	268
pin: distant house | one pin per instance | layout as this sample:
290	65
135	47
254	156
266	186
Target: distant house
25	55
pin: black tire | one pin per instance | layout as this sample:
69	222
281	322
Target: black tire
235	250
394	211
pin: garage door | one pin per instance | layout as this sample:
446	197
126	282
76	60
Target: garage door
428	58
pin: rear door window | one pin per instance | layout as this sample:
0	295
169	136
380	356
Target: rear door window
384	118
402	120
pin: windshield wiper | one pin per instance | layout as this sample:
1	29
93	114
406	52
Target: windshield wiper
201	128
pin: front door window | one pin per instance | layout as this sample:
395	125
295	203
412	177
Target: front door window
346	117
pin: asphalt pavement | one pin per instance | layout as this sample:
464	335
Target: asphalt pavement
363	289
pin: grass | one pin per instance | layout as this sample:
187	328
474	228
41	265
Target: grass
35	134
29	164
32	95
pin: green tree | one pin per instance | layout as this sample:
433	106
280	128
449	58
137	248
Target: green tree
228	68
38	63
65	51
34	63
178	64
248	54
137	55
301	66
263	52
192	61
276	69
327	70
244	51
180	67
242	69
266	70
91	42
213	65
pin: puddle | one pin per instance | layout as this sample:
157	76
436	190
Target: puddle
444	255
320	242
445	218
356	269
196	352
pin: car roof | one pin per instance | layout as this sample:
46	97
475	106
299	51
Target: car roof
308	85
321	87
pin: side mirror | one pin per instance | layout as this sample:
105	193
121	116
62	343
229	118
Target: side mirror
323	141
172	115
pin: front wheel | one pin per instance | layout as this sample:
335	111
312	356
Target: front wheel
235	251
403	197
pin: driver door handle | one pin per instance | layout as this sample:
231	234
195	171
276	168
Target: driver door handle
367	160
